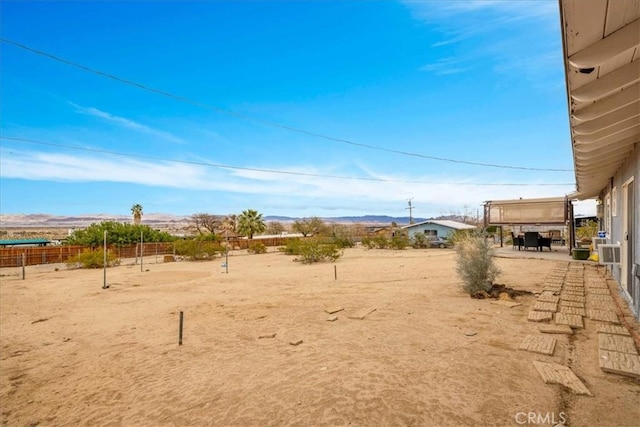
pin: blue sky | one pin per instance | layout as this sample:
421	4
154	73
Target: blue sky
294	108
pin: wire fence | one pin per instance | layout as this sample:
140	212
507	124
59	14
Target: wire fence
13	257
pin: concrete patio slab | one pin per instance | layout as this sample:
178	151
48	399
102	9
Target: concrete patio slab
606	328
539	316
598	291
573	320
577	304
545	306
555	329
572	297
620	363
603	315
544	344
573	310
617	343
547	296
553	373
603	305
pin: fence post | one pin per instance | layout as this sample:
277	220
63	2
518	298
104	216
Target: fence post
141	249
104	261
23	272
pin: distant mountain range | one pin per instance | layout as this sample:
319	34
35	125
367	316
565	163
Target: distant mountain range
166	220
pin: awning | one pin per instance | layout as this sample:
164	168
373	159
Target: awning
554	210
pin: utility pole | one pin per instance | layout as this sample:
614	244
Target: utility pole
410	211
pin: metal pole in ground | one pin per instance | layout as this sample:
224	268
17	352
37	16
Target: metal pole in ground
181	324
141	249
23	264
104	261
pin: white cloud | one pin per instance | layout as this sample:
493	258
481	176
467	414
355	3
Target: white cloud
446	66
301	190
127	123
501	31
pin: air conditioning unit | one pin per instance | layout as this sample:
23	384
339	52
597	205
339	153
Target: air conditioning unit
609	254
597	241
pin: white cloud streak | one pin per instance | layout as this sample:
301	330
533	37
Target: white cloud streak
172	175
446	66
498	26
127	123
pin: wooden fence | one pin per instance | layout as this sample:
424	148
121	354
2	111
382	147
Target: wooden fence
12	257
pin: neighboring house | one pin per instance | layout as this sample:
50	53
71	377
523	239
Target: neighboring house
23	242
436	228
378	231
601	52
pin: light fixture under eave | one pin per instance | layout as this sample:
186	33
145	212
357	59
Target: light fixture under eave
614	81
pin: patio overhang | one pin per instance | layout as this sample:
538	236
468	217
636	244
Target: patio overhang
601	50
547	211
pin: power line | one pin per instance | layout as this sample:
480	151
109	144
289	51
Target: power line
260	121
272	171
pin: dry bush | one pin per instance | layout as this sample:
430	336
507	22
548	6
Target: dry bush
313	250
93	259
475	263
257	248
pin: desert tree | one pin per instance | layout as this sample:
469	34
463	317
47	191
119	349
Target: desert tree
250	222
309	226
230	223
136	211
206	223
275	227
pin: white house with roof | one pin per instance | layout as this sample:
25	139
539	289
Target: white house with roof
601	50
436	228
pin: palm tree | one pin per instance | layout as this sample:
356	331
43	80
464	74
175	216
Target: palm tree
136	210
250	222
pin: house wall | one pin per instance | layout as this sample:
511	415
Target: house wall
615	192
421	228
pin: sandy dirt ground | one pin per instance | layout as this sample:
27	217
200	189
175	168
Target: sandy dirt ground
75	354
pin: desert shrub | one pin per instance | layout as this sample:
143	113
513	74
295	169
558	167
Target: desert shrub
198	249
292	247
368	242
375	242
309	251
342	235
381	242
419	240
475	263
93	259
257	248
343	242
462	235
399	241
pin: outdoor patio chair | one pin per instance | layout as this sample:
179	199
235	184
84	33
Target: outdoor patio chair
544	242
531	239
516	241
